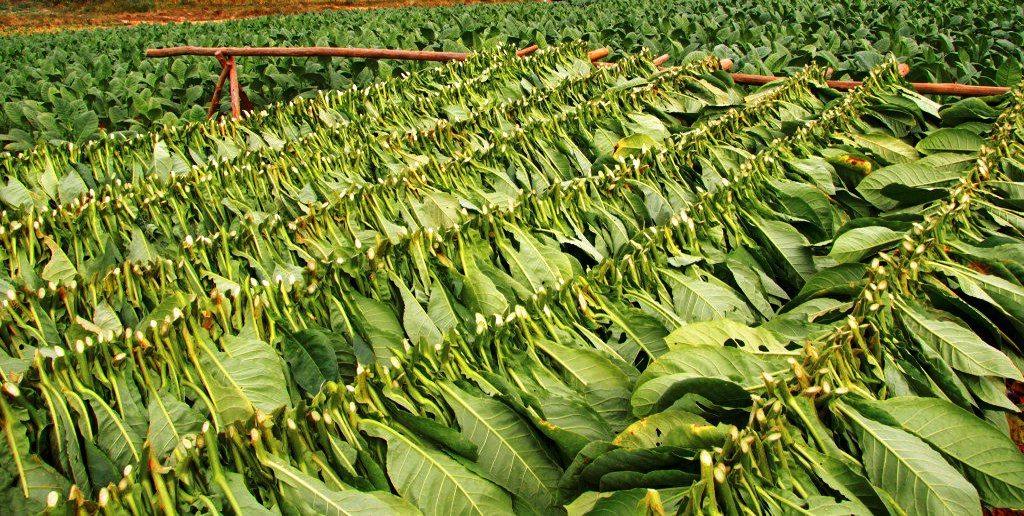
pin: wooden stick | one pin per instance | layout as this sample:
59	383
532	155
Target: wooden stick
958	90
600	53
954	89
527	51
236	102
369	53
215	100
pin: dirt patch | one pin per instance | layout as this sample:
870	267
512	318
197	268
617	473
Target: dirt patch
28	16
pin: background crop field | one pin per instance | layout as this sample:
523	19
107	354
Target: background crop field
67	86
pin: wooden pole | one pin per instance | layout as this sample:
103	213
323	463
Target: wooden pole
527	51
953	89
958	90
600	53
236	101
215	100
368	53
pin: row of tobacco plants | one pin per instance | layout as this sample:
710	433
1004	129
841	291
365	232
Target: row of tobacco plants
524	285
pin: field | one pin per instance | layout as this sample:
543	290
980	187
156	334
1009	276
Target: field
34	16
67	87
526	285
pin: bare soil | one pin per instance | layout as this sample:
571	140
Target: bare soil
28	16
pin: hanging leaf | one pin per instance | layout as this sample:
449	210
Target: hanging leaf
434	482
920	480
311	359
989	459
950	139
418	324
314	496
509	452
246	376
170	421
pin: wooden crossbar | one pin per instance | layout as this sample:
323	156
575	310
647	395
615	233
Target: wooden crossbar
934	88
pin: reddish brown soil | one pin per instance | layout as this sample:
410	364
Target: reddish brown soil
19	16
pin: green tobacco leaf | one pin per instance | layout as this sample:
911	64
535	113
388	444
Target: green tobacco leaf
634	144
436	483
989	459
509	451
949	161
629	502
958	345
165	162
102	471
59	269
538	263
418	325
224	285
40	479
437	210
990	391
247	503
316	497
806	202
481	295
720	331
885	147
115	437
817	170
170	421
695	300
660	393
789	249
856	244
380	326
440	309
71	187
16	194
651	431
847	279
169	309
697	436
641	330
950	139
311	359
920	480
844	478
140	250
918	174
727	363
438	434
603	385
641	461
246	376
